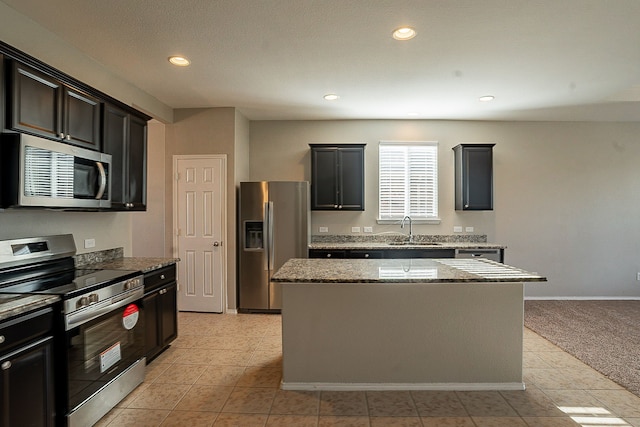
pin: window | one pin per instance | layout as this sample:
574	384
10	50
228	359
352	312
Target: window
408	174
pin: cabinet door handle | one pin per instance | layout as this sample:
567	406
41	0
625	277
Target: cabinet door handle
163	291
1	339
366	255
335	206
5	365
162	277
328	255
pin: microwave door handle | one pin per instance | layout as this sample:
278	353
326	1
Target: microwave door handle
103	180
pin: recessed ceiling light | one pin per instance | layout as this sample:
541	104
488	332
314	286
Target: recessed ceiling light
404	33
180	61
486	98
331	97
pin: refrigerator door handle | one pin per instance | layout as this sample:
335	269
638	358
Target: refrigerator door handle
266	242
270	241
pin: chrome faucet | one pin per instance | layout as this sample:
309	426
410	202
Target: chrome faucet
410	227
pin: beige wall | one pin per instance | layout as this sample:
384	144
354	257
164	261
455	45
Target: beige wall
148	227
567	195
208	131
110	230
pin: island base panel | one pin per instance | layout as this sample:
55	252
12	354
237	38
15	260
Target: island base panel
462	336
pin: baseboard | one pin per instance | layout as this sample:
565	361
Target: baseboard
402	386
593	298
231	311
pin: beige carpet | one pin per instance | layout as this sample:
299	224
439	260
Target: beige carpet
603	334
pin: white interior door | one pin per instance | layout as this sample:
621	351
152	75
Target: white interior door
199	216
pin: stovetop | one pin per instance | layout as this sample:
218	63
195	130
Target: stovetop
70	283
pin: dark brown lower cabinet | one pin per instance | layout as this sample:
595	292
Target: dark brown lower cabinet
26	372
382	253
160	310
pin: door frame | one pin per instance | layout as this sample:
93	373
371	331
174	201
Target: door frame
176	248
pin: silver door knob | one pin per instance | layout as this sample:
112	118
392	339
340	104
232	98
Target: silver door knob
5	365
216	244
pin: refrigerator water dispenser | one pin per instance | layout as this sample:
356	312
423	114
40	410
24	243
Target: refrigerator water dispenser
253	235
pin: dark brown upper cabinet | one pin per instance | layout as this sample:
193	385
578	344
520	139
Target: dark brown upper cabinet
473	177
337	177
42	105
125	138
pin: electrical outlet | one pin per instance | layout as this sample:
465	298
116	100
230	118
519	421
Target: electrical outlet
89	243
368	229
323	229
355	229
457	229
468	229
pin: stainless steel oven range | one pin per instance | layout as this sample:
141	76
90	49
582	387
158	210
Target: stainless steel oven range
99	343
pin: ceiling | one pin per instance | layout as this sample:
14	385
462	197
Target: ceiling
275	59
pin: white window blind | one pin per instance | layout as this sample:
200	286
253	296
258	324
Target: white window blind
408	173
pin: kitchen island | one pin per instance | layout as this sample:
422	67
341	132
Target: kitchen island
411	324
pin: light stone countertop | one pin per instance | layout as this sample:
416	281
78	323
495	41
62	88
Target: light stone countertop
144	265
417	270
13	304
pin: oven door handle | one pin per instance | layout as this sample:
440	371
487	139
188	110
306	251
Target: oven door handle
96	310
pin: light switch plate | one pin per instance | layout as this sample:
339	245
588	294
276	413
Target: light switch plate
355	229
457	229
368	229
468	229
323	229
89	243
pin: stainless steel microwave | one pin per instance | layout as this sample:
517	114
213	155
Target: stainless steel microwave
38	172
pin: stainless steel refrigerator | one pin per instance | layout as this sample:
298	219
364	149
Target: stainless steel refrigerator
274	226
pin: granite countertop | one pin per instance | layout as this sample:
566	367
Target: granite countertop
144	265
417	270
416	245
13	304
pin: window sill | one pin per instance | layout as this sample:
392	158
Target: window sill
433	221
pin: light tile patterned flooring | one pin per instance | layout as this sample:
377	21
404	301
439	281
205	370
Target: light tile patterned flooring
224	370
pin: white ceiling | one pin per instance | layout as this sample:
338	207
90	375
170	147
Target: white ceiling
275	59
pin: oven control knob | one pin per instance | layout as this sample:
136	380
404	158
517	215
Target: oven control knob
82	302
130	284
93	298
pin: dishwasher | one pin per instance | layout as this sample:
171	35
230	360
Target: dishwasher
492	254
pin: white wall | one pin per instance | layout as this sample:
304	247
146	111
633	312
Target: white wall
567	195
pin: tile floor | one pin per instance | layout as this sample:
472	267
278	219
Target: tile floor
224	370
